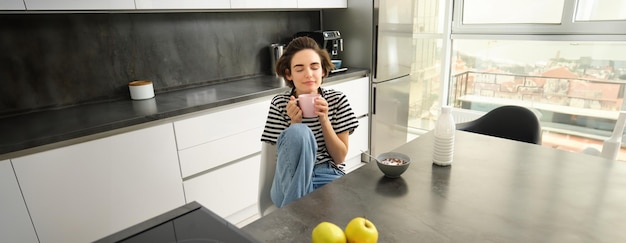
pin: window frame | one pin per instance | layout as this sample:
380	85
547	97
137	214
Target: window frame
568	25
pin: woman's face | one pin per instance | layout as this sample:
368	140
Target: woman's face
306	72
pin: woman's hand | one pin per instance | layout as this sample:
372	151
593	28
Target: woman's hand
293	111
321	108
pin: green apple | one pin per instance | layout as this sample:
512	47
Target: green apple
361	230
326	232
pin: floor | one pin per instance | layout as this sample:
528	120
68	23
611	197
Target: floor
248	220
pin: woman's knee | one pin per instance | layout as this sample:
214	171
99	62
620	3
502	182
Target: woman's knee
296	133
297	130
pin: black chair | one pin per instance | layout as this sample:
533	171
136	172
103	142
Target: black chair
511	122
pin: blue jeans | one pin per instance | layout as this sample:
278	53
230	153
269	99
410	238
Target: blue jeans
296	172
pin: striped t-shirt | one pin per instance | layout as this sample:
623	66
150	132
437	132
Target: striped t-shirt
340	115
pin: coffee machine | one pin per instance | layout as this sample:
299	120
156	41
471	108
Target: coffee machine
328	39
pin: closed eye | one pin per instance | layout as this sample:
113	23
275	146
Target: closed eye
298	68
301	67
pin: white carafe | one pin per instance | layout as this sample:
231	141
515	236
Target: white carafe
443	146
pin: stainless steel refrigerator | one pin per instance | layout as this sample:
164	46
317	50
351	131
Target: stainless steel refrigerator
393	58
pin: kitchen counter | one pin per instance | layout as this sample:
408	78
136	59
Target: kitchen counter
39	131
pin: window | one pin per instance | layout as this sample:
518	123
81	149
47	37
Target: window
430	38
598	10
508	12
573	86
564	59
537	17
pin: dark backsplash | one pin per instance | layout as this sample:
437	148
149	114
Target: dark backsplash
57	60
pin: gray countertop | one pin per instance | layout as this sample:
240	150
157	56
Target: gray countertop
38	131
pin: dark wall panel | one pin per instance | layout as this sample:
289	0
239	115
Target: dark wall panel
56	60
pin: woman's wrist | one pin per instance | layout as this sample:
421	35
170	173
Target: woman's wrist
295	121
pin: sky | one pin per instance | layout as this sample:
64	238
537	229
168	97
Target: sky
532	52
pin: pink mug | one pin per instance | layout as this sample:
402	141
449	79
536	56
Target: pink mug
307	104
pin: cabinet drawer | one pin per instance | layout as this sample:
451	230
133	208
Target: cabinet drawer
12	5
212	154
358	142
187	4
14	218
206	128
359	139
78	5
322	3
244	4
228	190
357	92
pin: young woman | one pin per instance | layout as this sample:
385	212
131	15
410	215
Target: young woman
310	151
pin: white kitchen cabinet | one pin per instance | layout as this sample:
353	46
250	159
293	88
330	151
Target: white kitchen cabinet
322	3
168	4
221	122
215	153
359	141
86	191
310	4
79	4
263	4
219	153
15	224
12	5
220	136
231	191
182	4
357	92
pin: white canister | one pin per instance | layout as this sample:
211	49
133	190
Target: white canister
141	90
